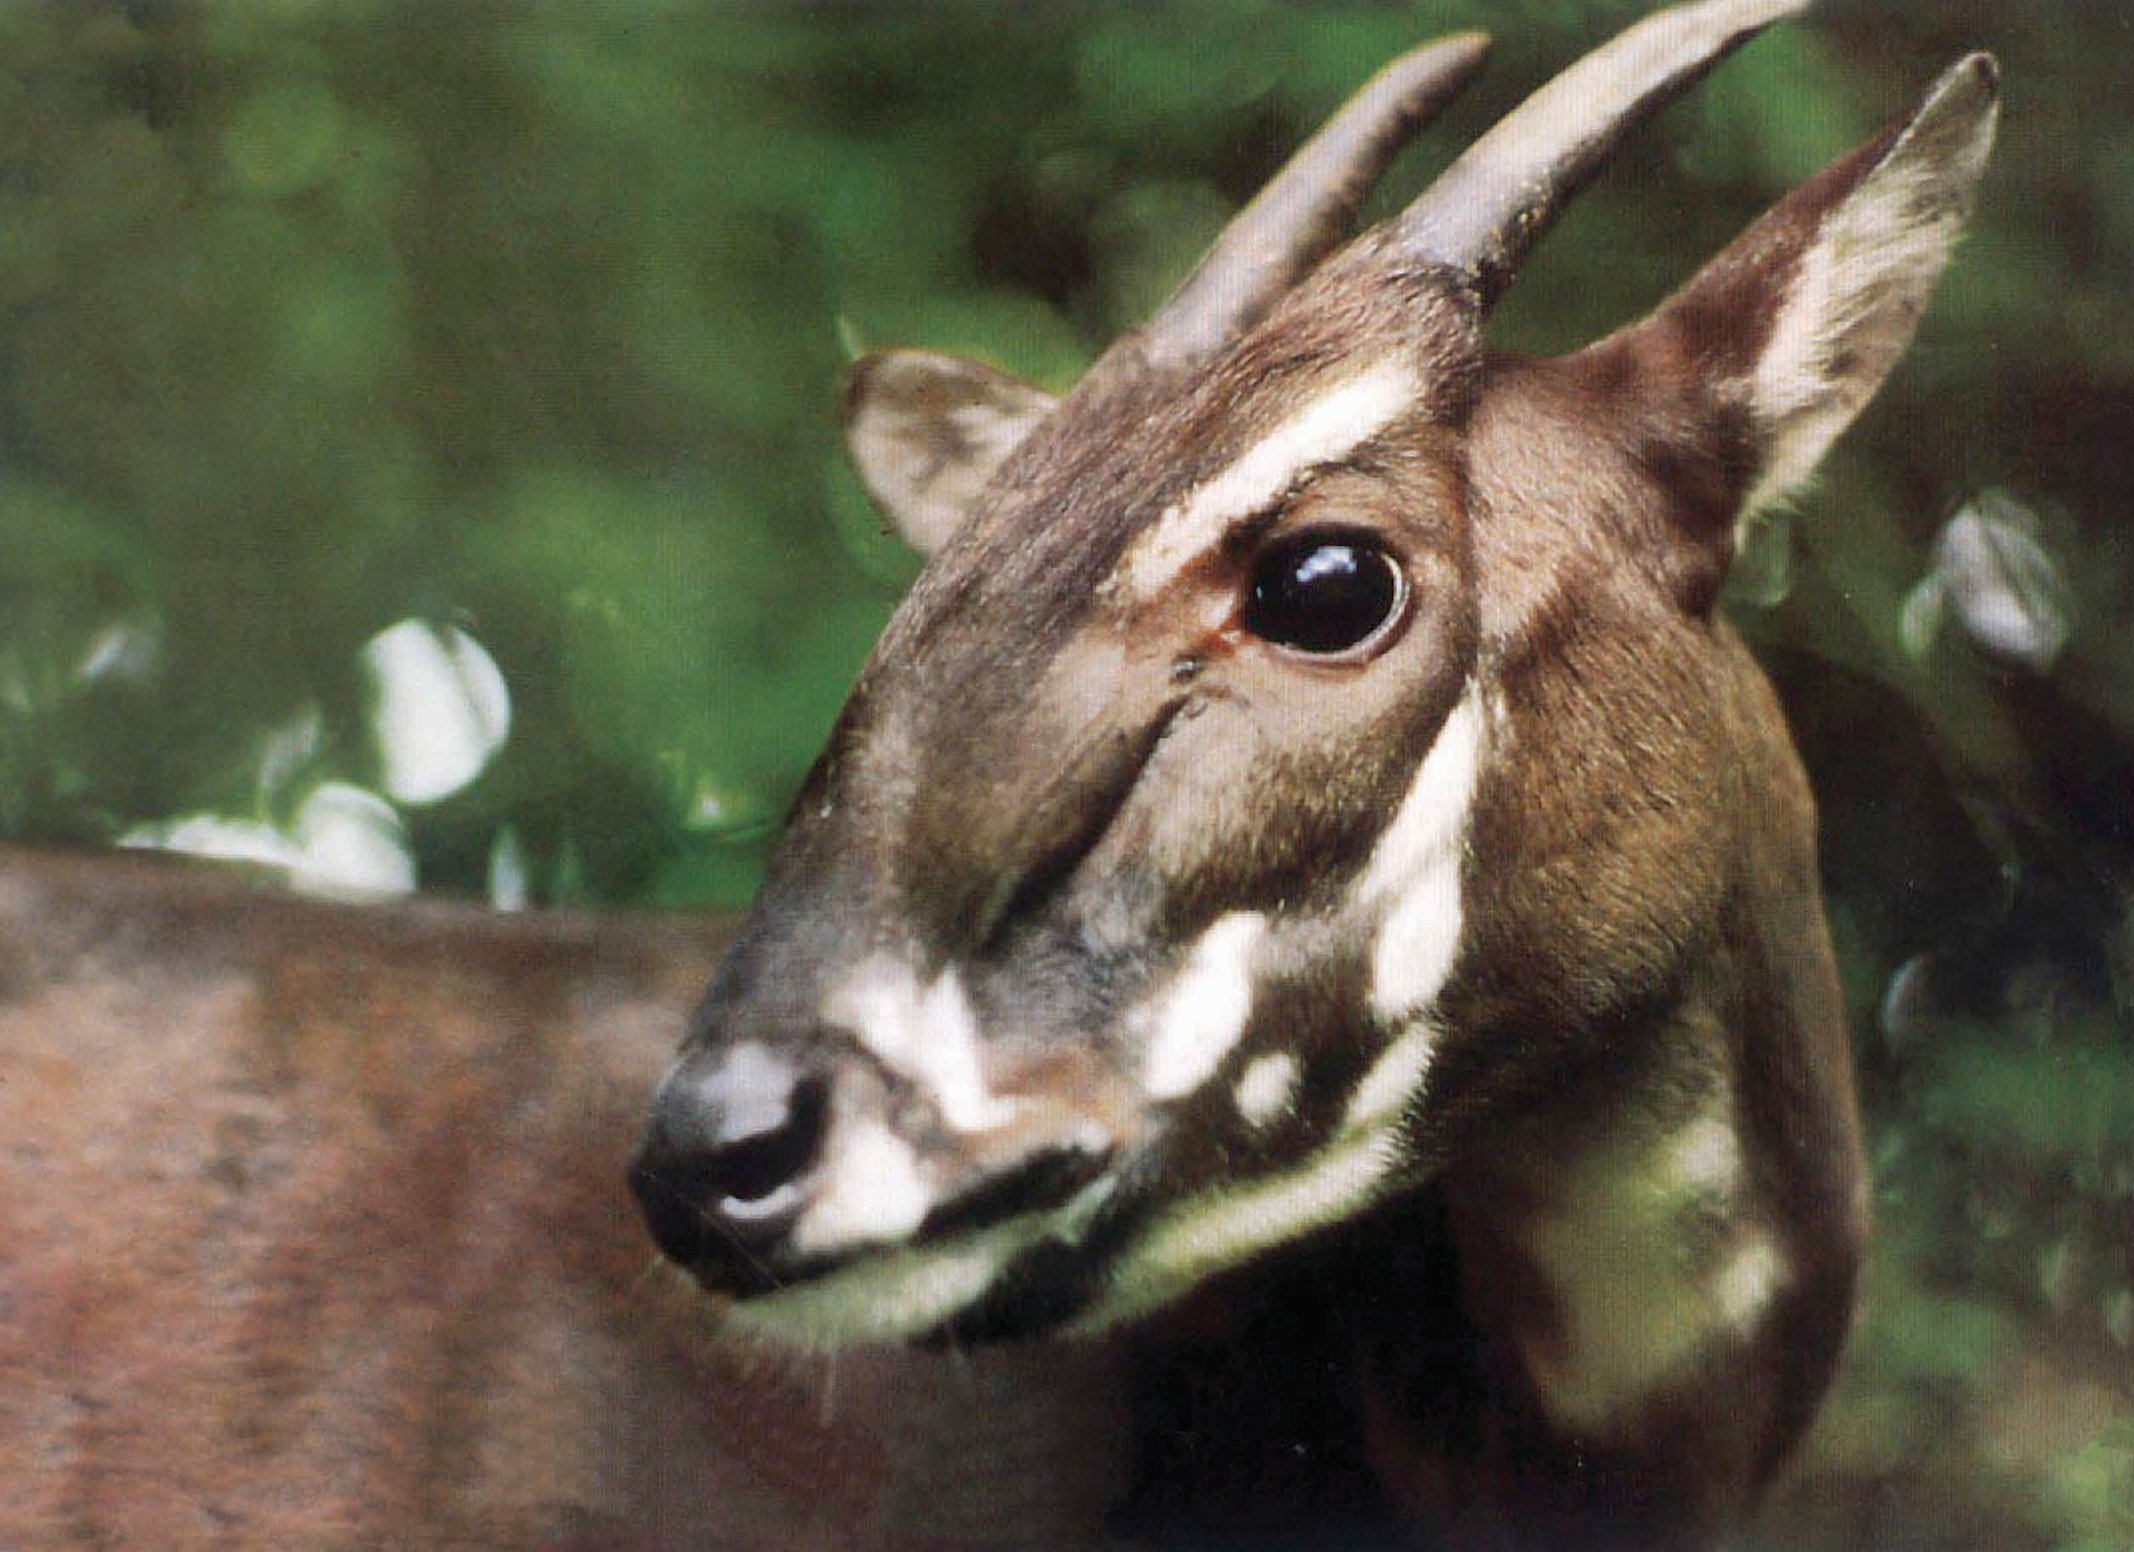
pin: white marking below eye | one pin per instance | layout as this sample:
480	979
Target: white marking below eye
871	1191
1202	1013
1413	879
1265	1087
1326	430
1414	871
931	1039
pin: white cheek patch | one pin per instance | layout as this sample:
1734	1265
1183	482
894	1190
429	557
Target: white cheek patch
1326	430
1265	1088
1411	890
1628	1252
1705	1158
1413	876
928	1037
1201	1015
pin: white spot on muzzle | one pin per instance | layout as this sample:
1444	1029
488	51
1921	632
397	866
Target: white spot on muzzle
929	1038
1324	431
1265	1087
1414	872
871	1191
1202	1013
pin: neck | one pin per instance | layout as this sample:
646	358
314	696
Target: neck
1653	1316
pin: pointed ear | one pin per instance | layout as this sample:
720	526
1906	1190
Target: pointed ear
926	432
1795	325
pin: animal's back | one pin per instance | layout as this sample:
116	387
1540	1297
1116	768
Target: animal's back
313	1234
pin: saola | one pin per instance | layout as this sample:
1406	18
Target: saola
1308	848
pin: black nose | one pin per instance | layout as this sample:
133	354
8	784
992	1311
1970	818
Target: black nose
723	1172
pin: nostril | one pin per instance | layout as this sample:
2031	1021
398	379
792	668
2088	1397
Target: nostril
752	1172
722	1173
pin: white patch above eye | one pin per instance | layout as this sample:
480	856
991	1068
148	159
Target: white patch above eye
1265	1088
1201	1015
1326	430
930	1038
1414	872
871	1191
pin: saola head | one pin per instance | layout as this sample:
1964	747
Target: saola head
1304	744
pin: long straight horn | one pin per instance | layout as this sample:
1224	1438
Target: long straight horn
1483	215
1308	206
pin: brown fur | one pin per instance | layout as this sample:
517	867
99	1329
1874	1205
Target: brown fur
313	1230
313	1235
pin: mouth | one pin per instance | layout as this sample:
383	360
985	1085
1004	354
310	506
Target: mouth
962	1279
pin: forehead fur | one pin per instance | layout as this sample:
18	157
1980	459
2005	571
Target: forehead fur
1051	528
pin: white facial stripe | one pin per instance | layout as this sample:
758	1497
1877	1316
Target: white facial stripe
1326	430
1414	872
1211	1233
1413	880
1202	1013
883	1299
1265	1088
871	1191
908	1292
1393	1079
930	1039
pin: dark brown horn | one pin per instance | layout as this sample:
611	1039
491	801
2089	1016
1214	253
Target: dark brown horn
1482	217
1305	210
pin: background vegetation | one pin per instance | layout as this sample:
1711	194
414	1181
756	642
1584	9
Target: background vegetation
519	328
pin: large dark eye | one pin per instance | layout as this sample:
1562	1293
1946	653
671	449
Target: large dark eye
1323	594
